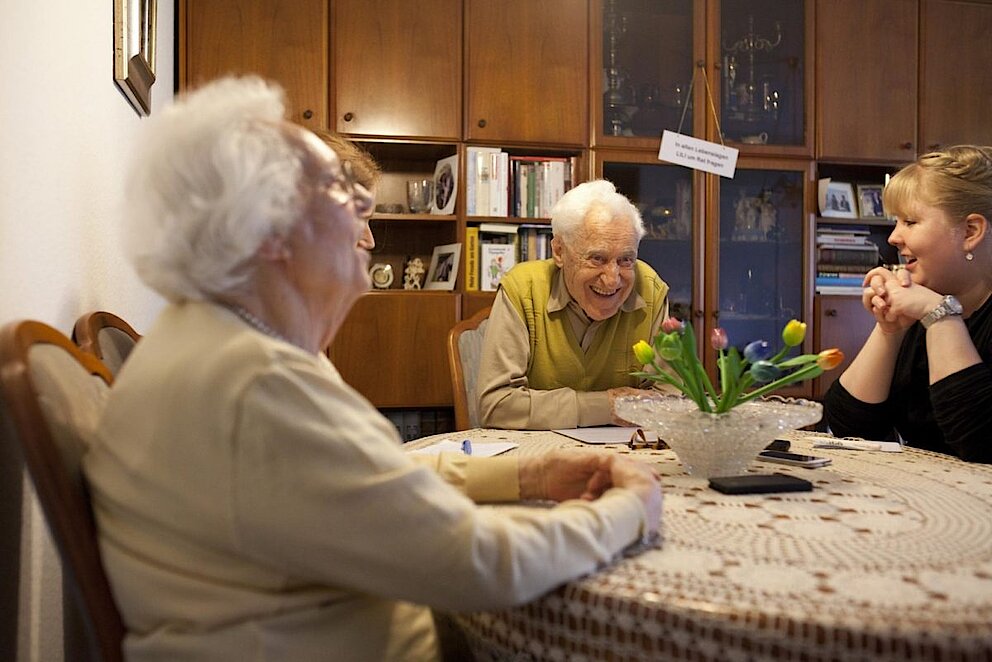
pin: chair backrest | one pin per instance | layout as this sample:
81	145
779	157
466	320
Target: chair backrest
464	351
106	336
51	395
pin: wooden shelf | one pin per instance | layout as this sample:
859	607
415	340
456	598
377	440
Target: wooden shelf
884	222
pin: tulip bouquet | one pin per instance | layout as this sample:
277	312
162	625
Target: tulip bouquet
676	344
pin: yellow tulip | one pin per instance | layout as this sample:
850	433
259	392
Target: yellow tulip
644	352
794	332
829	359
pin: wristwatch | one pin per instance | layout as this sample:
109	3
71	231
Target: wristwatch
949	306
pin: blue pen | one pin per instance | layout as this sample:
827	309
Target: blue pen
467	447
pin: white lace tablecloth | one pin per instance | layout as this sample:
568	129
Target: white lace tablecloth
888	558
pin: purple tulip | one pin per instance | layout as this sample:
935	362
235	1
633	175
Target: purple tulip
759	350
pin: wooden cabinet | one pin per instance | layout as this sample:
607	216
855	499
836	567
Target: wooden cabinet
841	322
866	77
392	348
281	40
397	68
955	74
851	83
526	71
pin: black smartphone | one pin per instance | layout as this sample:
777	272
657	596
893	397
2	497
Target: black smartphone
794	459
779	445
759	484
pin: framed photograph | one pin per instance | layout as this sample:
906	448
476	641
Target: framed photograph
444	267
134	51
838	200
445	185
870	201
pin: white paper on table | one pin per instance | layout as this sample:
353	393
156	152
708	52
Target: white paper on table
479	448
607	434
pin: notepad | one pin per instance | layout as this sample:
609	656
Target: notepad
479	448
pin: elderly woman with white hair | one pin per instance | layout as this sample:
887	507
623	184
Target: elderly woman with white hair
559	344
250	504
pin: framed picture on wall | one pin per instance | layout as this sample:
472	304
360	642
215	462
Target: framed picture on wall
444	267
134	51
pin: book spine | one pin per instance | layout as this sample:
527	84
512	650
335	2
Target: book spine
470	182
834	268
842	240
471	259
847	255
839	280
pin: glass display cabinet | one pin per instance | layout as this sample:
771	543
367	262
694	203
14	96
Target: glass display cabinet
762	230
736	257
641	78
762	51
664	195
756	56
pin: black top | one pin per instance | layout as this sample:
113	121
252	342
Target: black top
952	416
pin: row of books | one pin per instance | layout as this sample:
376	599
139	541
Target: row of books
413	424
492	249
843	257
498	184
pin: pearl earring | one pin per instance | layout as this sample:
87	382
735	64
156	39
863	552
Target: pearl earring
969	256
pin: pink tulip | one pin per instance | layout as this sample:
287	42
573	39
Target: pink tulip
718	338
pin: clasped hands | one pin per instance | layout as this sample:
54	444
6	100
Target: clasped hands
895	300
577	474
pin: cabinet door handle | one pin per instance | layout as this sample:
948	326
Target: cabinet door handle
482	124
906	145
348	117
307	114
830	312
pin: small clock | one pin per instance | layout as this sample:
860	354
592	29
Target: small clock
382	275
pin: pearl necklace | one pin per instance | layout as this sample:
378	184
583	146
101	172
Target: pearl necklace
254	322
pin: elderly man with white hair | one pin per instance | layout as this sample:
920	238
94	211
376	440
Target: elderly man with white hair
559	341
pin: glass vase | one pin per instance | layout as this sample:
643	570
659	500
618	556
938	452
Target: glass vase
725	444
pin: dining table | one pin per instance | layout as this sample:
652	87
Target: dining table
889	557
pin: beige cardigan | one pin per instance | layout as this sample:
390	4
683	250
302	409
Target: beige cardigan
252	506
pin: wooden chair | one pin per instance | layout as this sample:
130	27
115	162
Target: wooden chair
464	351
106	336
51	395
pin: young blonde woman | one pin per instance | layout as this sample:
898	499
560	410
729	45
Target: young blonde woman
925	369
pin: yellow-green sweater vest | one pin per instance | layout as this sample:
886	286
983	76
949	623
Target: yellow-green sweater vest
556	359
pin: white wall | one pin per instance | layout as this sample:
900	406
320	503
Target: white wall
65	136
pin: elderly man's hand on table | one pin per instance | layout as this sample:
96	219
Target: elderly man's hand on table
562	475
619	392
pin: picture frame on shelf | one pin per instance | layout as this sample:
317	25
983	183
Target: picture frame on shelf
135	22
444	267
837	200
870	201
445	186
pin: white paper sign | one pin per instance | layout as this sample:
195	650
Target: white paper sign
698	154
